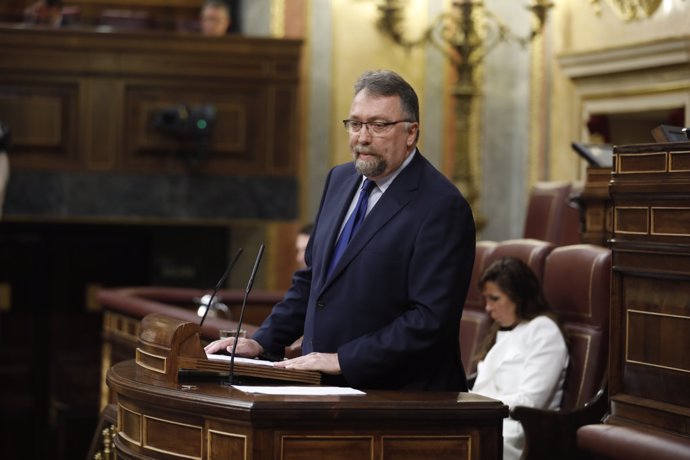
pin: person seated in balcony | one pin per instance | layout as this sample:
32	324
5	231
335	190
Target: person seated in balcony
215	18
525	356
44	12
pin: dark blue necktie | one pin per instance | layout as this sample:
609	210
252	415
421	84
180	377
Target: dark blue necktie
353	223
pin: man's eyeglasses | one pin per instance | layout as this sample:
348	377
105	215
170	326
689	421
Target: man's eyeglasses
374	127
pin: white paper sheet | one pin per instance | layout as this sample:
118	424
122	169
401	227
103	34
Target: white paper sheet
238	359
299	390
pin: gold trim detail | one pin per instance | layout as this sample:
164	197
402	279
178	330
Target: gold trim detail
623	156
588	347
677	154
616	229
120	428
675	208
139	362
230	435
333	436
402	437
627	339
169	452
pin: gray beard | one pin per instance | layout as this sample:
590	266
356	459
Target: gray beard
372	168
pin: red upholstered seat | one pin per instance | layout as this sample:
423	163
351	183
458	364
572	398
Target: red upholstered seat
577	285
550	215
531	251
611	442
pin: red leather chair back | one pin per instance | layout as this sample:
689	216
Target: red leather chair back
474	322
474	300
531	251
549	212
577	286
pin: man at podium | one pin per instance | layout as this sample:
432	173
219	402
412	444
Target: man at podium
388	262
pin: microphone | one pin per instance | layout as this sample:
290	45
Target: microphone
244	303
219	284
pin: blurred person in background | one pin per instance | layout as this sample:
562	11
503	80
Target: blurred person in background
301	244
215	18
44	12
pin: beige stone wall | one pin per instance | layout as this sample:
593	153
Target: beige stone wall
358	46
555	106
581	29
579	32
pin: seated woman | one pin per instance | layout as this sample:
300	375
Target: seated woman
525	355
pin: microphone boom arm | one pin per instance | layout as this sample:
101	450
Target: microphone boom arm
244	303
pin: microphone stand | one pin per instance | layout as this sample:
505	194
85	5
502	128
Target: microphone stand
218	285
244	303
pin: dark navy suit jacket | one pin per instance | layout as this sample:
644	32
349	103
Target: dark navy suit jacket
391	308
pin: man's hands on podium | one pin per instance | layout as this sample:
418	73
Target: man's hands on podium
324	362
247	348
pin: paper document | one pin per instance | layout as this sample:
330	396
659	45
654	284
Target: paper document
238	359
299	391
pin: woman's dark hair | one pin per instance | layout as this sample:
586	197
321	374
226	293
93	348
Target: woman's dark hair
521	285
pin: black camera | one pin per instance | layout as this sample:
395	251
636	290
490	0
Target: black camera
186	122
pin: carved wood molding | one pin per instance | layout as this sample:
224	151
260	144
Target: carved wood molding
629	10
674	51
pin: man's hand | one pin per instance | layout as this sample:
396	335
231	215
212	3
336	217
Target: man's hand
248	348
325	362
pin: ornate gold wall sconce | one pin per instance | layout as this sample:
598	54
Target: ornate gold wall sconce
465	35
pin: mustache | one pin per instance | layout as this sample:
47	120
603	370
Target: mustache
359	149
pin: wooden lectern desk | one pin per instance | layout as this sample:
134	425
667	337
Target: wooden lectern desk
204	418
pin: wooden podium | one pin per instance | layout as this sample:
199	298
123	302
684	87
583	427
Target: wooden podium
160	418
169	345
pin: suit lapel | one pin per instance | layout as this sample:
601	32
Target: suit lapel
334	214
399	193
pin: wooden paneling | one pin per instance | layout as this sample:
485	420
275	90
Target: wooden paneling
159	420
595	205
238	140
343	447
108	88
43	117
164	14
436	447
650	322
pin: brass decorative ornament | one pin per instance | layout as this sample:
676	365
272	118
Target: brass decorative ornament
465	34
629	10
